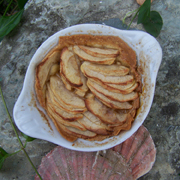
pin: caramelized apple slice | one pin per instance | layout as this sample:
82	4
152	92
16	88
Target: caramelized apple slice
76	132
42	75
98	129
107	70
54	69
112	95
74	124
66	83
123	80
62	105
99	52
121	87
62	113
81	91
70	68
126	91
108	102
95	120
62	94
105	114
90	58
63	133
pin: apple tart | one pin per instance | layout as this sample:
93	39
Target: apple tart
89	86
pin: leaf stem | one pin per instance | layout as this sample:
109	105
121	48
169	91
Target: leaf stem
134	17
7	7
128	14
14	9
11	119
22	147
14	153
31	163
25	144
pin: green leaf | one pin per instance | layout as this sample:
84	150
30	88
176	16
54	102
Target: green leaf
28	138
2	152
3	156
154	24
144	12
8	23
1	162
21	3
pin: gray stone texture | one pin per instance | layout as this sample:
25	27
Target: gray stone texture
41	19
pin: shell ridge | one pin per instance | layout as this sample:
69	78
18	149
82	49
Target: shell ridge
94	165
88	165
50	158
138	139
113	162
43	171
122	168
148	145
105	170
117	148
74	164
54	168
63	162
102	170
69	160
136	151
58	161
84	163
137	171
126	146
79	158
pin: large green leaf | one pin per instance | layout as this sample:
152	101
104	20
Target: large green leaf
21	3
8	23
154	24
144	12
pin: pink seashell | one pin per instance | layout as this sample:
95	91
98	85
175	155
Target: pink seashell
139	152
127	161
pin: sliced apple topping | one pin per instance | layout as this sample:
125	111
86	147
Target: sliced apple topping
109	88
62	105
70	68
109	102
89	86
87	57
60	112
107	70
99	52
62	94
123	80
96	128
76	132
105	114
42	75
112	95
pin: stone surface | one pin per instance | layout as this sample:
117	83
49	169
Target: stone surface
41	19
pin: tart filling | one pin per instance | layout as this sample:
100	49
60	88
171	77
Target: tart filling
89	86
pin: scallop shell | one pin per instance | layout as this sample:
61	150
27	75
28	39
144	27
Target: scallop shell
128	161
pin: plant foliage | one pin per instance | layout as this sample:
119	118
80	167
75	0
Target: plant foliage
11	16
151	20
